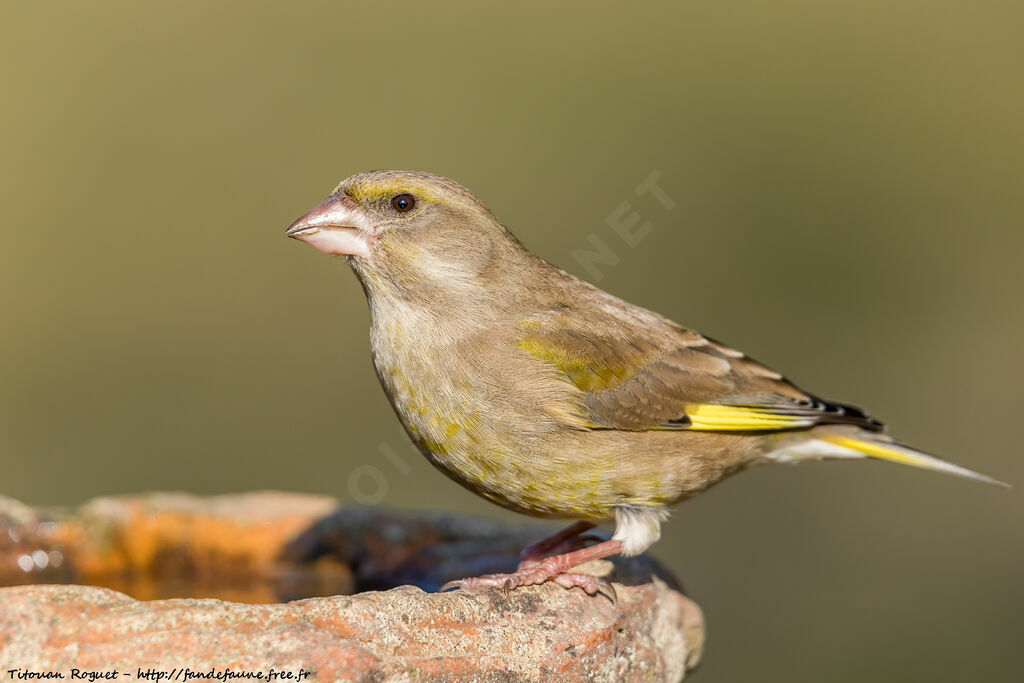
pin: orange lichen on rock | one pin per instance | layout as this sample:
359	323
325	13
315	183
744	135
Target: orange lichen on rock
269	549
172	533
537	633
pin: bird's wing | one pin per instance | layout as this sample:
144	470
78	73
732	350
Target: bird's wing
653	374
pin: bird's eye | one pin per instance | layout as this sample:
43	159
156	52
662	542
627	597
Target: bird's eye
403	203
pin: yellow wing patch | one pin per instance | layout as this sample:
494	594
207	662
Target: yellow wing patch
712	417
586	373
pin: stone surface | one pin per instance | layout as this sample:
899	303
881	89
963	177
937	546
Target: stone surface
270	547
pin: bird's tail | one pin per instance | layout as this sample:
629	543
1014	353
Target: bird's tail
894	452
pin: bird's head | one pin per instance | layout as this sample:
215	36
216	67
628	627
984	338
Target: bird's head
408	231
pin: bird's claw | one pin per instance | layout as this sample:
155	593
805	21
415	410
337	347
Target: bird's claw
589	584
485	581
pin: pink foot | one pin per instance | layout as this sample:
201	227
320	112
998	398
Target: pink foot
555	569
564	541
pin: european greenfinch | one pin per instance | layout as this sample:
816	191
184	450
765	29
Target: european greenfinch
553	398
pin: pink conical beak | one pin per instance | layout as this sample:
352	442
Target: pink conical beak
336	225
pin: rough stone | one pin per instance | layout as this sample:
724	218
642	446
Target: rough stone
262	542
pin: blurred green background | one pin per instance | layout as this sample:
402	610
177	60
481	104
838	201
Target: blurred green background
849	190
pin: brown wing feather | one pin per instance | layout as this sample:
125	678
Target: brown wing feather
642	374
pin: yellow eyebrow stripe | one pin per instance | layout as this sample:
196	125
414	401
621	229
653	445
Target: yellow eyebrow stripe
711	417
376	190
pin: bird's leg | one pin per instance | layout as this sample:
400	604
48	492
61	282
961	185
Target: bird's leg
566	540
555	568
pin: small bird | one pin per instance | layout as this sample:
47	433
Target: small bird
551	397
